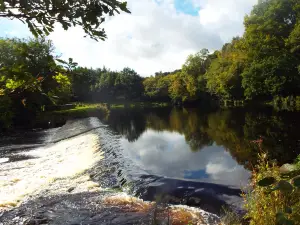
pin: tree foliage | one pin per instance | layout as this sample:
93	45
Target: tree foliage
271	41
41	16
224	74
262	64
30	77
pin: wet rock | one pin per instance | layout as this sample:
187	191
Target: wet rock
70	189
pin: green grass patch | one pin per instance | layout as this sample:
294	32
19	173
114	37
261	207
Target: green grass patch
81	110
140	105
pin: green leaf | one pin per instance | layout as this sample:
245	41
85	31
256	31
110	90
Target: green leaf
285	186
282	220
32	29
288	210
266	181
46	31
105	9
289	222
123	7
296	181
61	61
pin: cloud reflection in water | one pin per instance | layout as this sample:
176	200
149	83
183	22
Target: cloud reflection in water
167	154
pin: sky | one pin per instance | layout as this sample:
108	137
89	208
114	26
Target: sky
157	36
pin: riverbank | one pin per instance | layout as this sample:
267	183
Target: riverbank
53	184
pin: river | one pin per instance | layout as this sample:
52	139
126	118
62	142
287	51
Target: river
202	157
190	156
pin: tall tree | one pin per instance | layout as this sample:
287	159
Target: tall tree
129	84
224	74
271	39
40	16
193	72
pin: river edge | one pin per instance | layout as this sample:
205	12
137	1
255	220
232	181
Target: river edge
55	185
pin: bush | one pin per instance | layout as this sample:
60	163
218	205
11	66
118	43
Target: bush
275	198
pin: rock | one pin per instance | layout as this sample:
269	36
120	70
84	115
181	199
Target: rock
70	189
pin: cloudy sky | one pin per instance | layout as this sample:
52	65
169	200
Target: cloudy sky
157	36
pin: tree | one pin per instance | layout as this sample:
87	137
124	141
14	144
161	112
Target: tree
193	71
177	90
40	16
104	89
271	40
82	81
224	74
128	84
29	74
157	87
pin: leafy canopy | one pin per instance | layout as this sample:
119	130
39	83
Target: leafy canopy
41	16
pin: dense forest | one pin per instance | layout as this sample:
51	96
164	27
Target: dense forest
262	65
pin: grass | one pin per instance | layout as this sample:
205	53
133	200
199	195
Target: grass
140	105
230	217
262	206
81	110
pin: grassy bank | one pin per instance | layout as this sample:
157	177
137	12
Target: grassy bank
81	110
139	105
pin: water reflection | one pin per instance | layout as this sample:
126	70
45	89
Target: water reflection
231	131
168	154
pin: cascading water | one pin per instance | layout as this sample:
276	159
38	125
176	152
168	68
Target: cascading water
139	182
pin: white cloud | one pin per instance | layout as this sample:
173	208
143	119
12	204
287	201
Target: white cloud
155	36
224	17
168	154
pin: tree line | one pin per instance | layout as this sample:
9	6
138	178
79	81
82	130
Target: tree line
260	65
263	64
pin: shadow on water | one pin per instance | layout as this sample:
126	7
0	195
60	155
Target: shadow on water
16	158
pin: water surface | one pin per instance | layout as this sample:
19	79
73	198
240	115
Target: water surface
207	155
199	157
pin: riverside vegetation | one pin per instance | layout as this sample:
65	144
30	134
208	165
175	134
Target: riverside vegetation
262	66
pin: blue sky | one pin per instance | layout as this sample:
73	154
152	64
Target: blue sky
187	7
13	28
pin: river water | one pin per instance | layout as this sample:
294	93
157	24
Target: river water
201	157
185	156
